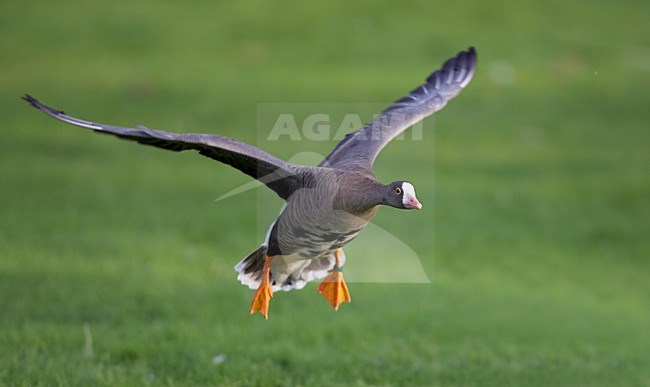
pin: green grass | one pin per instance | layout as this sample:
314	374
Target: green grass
536	194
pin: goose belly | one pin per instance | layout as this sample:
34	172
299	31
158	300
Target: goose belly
311	237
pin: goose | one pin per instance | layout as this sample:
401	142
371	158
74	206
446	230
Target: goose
325	206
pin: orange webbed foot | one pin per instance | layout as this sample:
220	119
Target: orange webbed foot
334	288
262	299
264	293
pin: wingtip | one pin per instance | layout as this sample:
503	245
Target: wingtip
468	54
472	53
38	105
458	69
469	57
29	99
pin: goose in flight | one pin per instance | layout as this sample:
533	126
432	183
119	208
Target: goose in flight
327	205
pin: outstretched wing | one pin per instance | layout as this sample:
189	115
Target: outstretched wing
277	174
359	149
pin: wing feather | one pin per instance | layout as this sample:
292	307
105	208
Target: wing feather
359	149
277	174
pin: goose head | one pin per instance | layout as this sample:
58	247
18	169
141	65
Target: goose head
401	194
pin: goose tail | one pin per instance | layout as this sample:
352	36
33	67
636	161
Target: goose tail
284	275
251	268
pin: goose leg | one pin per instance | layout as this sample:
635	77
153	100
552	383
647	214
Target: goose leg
333	287
264	293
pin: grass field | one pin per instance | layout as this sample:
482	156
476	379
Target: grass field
535	182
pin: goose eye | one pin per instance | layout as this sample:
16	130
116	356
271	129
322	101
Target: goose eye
398	190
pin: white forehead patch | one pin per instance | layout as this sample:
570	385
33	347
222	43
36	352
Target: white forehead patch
409	192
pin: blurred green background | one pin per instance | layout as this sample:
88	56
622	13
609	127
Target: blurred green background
535	184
